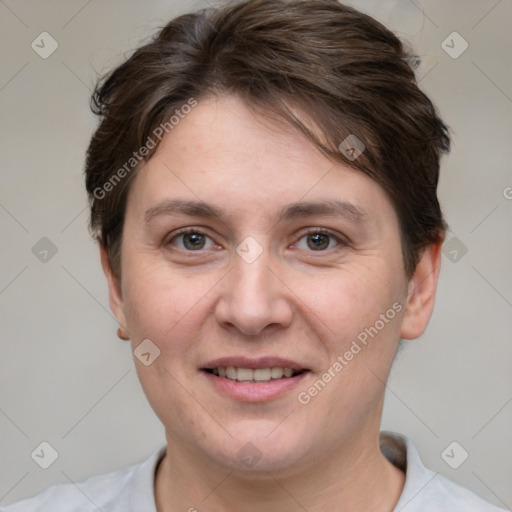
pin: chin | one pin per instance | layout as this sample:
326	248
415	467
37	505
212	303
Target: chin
261	453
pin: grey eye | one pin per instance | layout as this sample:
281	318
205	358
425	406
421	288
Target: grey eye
191	240
318	241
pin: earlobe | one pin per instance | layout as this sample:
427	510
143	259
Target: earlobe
421	293
114	286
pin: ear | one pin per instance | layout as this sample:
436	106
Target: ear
115	294
421	293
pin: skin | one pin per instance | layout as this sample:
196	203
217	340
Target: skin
294	301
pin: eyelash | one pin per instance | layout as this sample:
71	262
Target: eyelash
310	231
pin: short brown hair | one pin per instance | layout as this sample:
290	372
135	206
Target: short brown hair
339	69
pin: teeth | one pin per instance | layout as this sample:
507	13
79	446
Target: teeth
248	374
276	373
244	374
262	374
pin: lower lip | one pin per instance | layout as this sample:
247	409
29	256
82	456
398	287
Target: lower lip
254	391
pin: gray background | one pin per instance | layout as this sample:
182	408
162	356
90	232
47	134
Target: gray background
66	379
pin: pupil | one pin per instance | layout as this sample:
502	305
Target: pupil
319	237
195	239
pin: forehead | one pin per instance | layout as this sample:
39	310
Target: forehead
223	154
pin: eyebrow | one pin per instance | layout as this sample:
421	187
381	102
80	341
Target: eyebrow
328	207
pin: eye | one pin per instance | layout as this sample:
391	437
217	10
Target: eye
191	240
316	239
320	239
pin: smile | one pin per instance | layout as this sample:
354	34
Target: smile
254	380
254	375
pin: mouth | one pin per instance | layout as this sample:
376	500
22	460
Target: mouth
254	375
254	380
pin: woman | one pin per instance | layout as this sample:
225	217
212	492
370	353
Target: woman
263	189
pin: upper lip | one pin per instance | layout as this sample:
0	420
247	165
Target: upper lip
260	362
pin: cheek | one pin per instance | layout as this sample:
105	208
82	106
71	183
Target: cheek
363	310
364	317
154	298
163	304
350	300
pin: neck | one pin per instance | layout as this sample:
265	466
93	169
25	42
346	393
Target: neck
353	477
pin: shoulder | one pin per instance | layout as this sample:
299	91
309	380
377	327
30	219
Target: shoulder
90	495
108	492
425	490
443	494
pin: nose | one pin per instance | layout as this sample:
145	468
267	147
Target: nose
253	298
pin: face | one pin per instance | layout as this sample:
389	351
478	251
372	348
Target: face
294	263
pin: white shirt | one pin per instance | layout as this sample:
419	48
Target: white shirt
131	489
